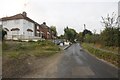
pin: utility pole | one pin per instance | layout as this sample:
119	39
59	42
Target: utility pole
94	34
84	26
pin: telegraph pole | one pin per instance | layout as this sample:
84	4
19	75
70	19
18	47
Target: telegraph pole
84	26
94	35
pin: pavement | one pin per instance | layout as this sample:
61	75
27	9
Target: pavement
73	63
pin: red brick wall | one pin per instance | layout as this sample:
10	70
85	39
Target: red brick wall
44	30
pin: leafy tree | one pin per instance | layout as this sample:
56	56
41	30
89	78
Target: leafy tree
79	36
88	38
3	33
84	33
96	38
54	31
109	36
109	21
61	37
70	34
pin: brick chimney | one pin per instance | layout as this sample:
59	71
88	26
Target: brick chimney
25	14
44	23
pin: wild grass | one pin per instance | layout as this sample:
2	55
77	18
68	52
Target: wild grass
21	49
18	57
0	48
108	56
112	49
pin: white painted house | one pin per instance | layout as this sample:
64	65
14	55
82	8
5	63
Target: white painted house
119	13
21	27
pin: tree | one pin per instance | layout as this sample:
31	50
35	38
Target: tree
3	34
84	33
109	36
61	37
70	34
79	36
88	38
54	31
108	21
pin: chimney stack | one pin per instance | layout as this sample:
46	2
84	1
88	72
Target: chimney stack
44	23
25	14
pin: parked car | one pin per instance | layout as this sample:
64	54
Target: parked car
66	43
58	42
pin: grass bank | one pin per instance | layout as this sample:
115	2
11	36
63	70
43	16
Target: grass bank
38	49
112	49
18	57
108	56
0	50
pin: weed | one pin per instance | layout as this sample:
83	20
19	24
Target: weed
108	56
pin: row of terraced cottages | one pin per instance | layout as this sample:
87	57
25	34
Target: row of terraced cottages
22	27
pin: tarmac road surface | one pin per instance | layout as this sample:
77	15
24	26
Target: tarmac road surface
74	63
78	63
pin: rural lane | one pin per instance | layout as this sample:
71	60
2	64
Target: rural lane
73	63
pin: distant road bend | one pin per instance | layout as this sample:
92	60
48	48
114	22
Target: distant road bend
74	63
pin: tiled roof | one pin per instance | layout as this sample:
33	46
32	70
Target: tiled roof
17	16
44	26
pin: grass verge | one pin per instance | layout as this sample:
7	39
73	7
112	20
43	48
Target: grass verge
37	49
18	57
108	56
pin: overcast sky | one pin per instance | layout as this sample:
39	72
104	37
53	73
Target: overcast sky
62	13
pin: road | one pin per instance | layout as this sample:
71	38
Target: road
0	59
73	63
0	67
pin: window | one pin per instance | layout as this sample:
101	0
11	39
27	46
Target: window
37	27
15	33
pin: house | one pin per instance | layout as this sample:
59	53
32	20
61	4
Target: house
43	31
46	30
119	13
22	27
